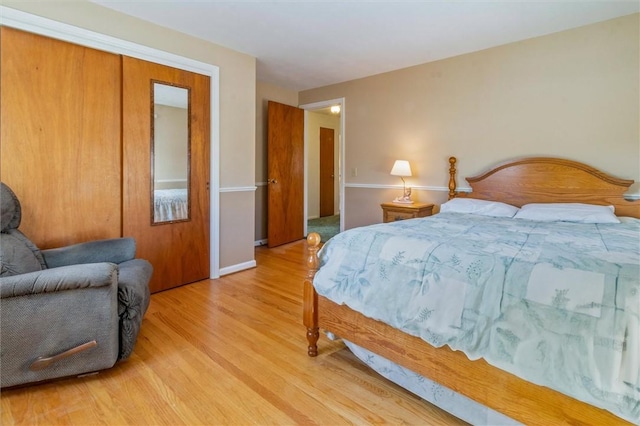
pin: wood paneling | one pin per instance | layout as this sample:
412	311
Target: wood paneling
75	147
227	352
60	137
179	252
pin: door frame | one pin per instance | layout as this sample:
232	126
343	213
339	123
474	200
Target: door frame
341	153
66	32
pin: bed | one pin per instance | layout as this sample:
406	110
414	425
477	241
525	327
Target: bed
170	205
517	183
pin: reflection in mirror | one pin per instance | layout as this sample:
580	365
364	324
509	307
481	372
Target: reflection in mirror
170	144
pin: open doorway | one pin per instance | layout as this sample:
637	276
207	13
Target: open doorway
324	153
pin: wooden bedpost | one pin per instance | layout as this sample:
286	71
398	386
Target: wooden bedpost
310	300
452	177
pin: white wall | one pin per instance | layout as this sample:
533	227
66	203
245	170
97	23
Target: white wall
572	94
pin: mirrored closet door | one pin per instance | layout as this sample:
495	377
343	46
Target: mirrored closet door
166	169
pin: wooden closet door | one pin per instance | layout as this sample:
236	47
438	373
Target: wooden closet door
179	252
60	147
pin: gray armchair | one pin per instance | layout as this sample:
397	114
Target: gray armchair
65	311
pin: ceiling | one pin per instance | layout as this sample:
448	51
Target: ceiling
303	44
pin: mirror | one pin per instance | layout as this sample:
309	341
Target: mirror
170	153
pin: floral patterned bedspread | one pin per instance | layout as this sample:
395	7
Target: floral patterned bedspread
555	303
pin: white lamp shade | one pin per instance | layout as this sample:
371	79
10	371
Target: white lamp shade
401	168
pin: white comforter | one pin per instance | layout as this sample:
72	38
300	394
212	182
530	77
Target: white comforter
557	304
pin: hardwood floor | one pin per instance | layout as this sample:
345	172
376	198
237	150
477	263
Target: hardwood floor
230	351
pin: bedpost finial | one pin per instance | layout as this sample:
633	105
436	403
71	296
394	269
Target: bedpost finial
313	245
313	239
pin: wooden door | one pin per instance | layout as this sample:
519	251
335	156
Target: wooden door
285	157
178	251
60	137
327	172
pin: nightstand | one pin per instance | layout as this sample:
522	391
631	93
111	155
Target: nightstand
395	211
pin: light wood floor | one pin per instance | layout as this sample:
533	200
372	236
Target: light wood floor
230	351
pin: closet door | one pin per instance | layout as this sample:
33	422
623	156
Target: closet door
60	137
166	130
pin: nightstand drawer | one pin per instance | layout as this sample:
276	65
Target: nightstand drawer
392	216
392	212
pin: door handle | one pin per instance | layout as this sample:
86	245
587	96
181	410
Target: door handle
273	181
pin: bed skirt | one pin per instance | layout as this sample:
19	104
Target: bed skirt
454	403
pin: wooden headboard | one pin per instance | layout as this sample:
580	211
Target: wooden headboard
547	180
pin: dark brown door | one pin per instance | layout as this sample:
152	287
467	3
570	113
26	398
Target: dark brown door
178	251
327	172
285	157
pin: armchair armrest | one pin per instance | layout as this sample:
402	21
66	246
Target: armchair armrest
115	250
133	301
59	279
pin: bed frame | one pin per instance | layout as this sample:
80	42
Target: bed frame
516	182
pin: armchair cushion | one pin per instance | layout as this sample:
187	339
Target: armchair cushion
71	277
115	250
10	209
18	255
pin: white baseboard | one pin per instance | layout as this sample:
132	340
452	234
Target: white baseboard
237	268
260	242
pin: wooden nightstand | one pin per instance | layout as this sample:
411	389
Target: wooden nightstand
395	211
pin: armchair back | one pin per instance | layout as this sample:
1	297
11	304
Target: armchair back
18	255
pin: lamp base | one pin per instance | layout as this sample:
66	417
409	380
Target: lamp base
402	201
406	196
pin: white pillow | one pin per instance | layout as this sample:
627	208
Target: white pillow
567	212
628	219
479	207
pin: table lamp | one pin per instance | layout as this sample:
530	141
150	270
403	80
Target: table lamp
402	168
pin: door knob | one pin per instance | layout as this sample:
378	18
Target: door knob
273	181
